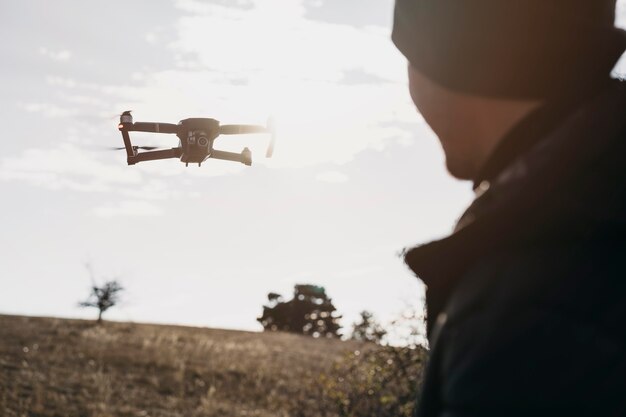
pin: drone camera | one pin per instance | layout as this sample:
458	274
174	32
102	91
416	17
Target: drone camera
203	141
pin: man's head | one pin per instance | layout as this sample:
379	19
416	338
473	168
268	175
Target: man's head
478	66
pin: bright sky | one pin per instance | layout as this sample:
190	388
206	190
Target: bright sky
355	177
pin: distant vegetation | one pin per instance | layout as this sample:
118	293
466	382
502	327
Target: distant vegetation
54	367
310	312
103	297
368	329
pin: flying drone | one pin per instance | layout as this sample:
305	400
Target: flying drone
196	138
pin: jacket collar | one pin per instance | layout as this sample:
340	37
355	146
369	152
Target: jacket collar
534	128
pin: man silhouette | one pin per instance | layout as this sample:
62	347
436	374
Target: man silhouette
526	299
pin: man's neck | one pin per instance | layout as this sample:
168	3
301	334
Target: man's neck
491	122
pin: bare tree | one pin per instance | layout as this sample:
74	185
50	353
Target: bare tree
103	297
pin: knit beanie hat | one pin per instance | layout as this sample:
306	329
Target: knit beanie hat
531	49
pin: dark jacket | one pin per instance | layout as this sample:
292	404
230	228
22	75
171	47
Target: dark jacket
526	299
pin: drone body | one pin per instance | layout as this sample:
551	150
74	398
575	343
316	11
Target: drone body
196	138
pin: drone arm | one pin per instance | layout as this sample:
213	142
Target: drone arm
154	155
152	127
130	152
243	157
242	129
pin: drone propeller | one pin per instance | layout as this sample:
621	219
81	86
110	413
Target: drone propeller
145	148
113	116
271	126
248	129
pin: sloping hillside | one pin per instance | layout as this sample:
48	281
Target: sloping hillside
57	367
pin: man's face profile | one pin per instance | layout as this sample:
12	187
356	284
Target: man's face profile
468	126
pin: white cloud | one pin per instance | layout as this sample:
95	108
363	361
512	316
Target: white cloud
620	21
67	167
60	81
620	68
60	55
274	38
357	273
84	100
332	177
48	110
620	14
151	37
129	208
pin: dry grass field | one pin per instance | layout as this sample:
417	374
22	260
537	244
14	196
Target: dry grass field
59	367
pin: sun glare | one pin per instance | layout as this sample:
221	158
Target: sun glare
331	88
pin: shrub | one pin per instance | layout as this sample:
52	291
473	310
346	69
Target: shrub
383	381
